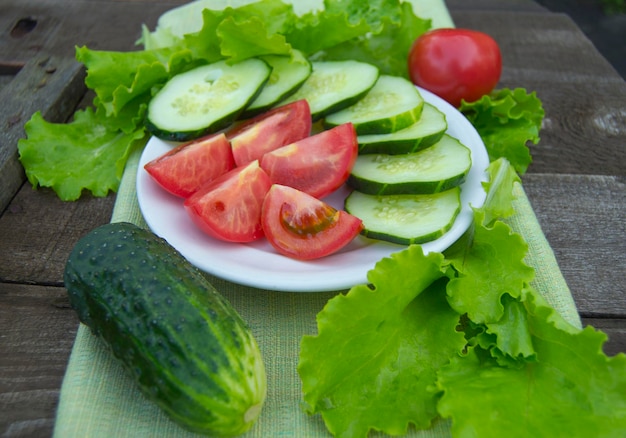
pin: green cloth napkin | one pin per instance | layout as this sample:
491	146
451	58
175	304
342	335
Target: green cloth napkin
98	399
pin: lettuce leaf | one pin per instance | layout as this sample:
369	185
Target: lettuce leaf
499	188
239	33
507	120
522	369
118	78
380	32
571	389
79	155
388	48
378	348
489	263
492	266
124	82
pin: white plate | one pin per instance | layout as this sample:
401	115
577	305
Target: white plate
257	264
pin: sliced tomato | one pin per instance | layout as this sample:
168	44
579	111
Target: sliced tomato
303	227
317	165
229	208
280	126
187	167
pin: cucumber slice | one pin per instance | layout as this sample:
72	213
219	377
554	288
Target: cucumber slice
205	99
335	85
288	74
432	170
405	219
424	133
393	103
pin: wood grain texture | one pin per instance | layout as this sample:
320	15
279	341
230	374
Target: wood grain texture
459	6
582	216
584	129
39	231
49	84
37	329
63	25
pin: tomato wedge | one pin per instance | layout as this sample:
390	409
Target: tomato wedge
317	165
270	130
229	208
303	227
187	167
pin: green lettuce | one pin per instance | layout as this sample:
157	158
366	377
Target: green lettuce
380	32
124	82
390	354
570	388
121	78
389	47
80	155
507	121
374	360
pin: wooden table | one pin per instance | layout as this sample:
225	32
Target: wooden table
576	183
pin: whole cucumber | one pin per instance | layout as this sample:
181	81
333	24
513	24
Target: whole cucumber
184	344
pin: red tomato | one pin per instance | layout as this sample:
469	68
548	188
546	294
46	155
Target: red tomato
188	166
303	227
229	208
317	165
455	64
277	127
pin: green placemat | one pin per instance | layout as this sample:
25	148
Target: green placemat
99	399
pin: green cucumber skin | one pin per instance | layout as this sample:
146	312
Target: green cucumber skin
388	125
181	341
406	188
375	234
216	126
338	106
398	147
372	234
427	131
183	136
253	110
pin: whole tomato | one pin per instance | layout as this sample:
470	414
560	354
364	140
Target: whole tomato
455	64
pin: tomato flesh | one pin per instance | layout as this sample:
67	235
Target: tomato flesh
455	64
229	208
278	127
184	169
300	226
317	165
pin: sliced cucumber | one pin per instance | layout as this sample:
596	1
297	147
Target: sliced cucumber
288	74
205	99
405	219
335	85
434	169
425	132
393	103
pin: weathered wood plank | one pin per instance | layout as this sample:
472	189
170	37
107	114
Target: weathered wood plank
584	129
62	25
49	84
38	329
458	6
582	216
39	230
